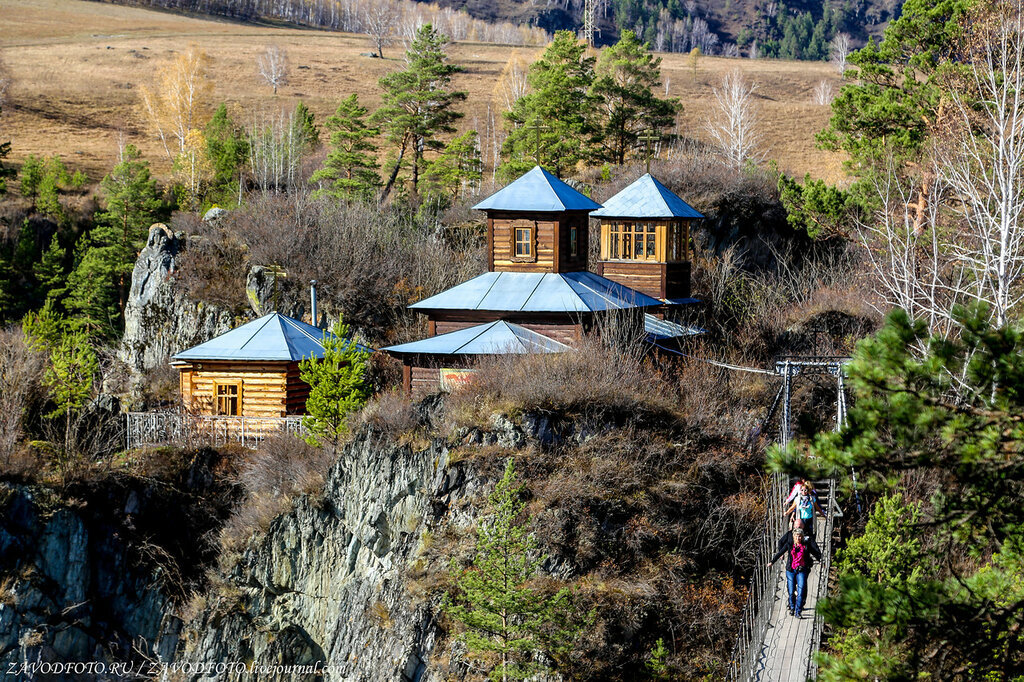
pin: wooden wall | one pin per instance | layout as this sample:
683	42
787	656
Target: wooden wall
660	280
551	241
268	389
561	328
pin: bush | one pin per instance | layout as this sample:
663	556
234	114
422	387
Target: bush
282	469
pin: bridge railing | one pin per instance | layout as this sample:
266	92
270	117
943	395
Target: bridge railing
763	583
182	428
823	577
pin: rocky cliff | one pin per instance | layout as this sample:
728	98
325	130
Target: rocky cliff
158	319
327	582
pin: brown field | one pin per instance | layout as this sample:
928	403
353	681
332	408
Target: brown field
77	67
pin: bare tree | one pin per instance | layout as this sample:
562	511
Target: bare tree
839	50
273	66
512	82
379	22
5	82
734	125
823	93
21	371
983	161
753	51
275	152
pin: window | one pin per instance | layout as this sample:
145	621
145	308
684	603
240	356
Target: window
633	241
228	399
573	242
523	236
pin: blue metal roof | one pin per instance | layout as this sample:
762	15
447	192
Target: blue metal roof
658	329
646	198
273	337
493	338
537	190
536	292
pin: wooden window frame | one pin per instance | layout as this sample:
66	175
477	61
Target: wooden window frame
574	241
217	397
531	241
618	238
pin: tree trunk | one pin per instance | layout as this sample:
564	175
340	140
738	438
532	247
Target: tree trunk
394	173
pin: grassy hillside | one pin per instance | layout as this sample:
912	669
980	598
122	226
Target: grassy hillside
78	66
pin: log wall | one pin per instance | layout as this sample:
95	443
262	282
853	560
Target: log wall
267	389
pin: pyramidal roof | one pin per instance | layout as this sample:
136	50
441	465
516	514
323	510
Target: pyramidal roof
537	190
273	337
538	292
646	198
493	338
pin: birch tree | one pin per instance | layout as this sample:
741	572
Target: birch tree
380	20
839	50
180	101
734	123
273	66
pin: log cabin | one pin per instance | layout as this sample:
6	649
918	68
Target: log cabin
537	281
250	371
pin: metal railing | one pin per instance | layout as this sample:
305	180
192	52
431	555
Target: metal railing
825	569
182	428
757	611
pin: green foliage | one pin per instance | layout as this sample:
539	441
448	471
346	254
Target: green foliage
337	385
507	620
50	273
952	416
44	328
306	130
553	126
97	288
656	662
32	170
817	208
350	169
418	104
227	147
456	169
69	378
892	98
626	77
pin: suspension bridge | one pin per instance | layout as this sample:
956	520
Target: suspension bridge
772	645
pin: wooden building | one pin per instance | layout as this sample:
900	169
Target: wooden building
250	371
645	240
537	285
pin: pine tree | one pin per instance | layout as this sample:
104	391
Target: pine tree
457	168
337	386
508	621
350	169
418	104
69	378
306	131
49	271
227	147
552	126
626	77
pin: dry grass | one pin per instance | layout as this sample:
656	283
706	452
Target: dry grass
78	66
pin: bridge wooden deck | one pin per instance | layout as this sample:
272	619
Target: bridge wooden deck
787	642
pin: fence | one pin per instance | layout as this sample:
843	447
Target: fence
180	428
758	610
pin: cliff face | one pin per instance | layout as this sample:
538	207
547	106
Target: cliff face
327	582
158	320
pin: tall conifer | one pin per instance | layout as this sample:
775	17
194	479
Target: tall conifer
350	171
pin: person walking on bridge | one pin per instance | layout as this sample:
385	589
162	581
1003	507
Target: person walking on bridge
799	552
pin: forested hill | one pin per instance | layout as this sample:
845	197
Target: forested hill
799	29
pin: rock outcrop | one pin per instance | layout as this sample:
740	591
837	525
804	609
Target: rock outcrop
326	585
159	320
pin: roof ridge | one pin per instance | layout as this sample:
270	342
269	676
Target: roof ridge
253	335
485	328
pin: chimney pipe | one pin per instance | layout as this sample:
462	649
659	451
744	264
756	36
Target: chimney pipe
312	303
